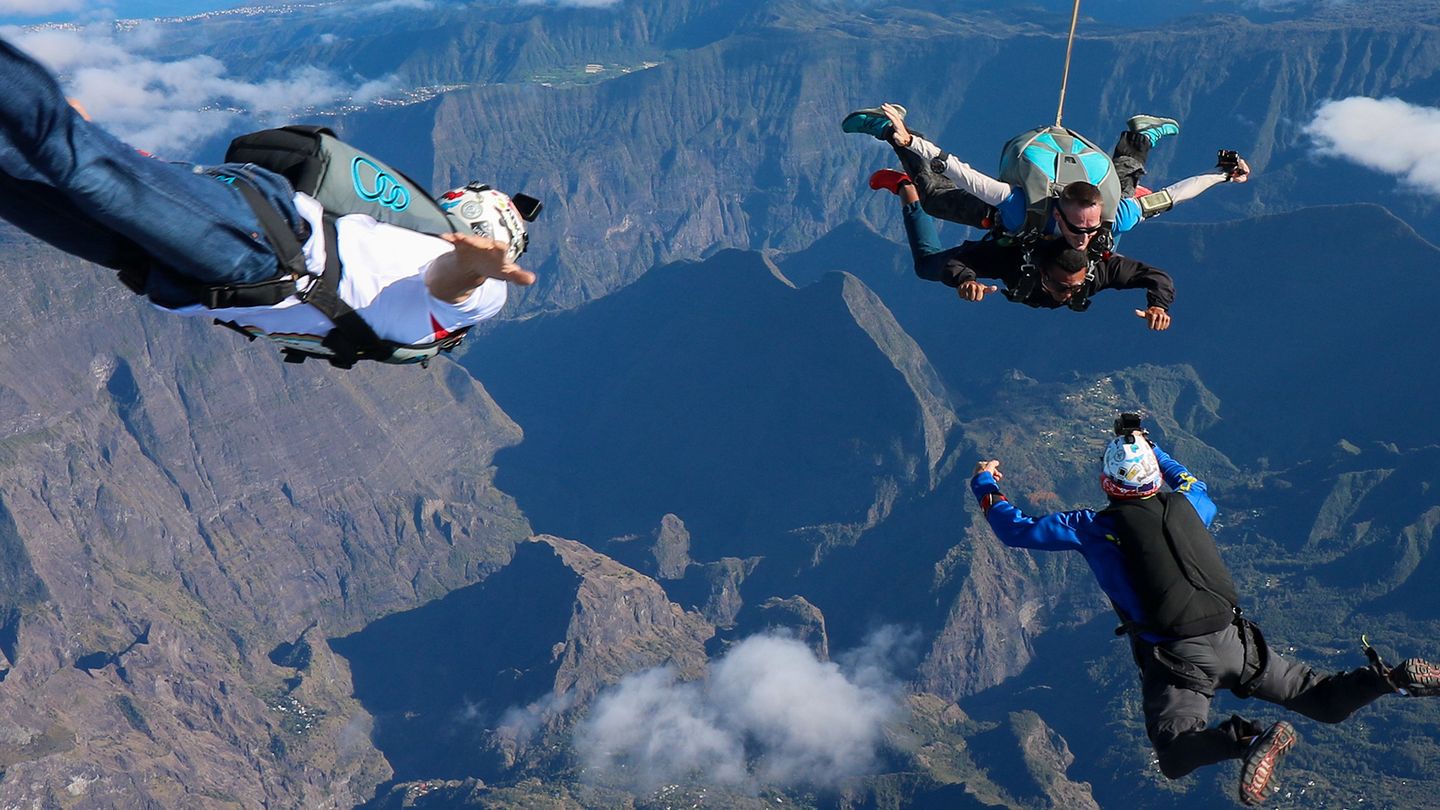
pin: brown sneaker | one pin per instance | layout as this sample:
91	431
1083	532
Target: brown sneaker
1258	771
1416	677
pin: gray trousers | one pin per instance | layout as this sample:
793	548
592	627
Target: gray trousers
1179	679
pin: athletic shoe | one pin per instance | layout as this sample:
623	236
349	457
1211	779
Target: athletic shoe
1153	127
889	179
1258	771
870	121
1418	677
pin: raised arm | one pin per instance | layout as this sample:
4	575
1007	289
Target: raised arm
1179	479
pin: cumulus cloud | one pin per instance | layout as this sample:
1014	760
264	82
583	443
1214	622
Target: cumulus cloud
171	106
1385	134
770	713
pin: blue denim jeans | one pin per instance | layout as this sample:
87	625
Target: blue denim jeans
75	186
930	257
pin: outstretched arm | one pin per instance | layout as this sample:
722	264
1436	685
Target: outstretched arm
976	260
453	277
1121	272
1191	187
978	184
1054	532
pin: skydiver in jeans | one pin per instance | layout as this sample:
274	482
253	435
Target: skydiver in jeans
1151	552
185	229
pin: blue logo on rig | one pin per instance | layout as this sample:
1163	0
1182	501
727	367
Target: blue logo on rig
377	185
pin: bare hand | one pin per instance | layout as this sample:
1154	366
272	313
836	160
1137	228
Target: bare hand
486	257
901	137
973	290
1241	173
1157	318
992	466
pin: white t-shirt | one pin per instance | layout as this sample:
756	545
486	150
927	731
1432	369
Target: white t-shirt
383	279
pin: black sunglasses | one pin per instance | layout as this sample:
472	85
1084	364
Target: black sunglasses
1072	226
1058	288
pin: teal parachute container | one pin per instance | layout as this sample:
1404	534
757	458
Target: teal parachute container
1042	161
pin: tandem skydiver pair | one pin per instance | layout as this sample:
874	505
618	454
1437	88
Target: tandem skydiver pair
1052	219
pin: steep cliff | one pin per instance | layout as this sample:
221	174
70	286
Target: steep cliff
160	473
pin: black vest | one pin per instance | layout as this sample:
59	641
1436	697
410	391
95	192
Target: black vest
1174	566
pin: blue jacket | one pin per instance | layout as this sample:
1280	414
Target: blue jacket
1084	530
1012	215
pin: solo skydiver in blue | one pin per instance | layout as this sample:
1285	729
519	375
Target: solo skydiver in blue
1152	554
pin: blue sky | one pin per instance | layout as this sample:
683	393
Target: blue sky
24	12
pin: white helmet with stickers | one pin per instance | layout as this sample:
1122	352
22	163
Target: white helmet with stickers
1130	469
488	213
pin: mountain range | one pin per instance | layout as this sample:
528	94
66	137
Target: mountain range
726	444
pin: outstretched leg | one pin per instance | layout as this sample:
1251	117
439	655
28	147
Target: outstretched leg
1327	698
940	197
1132	150
181	217
925	248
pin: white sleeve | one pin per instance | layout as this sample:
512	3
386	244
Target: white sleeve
978	184
484	303
1191	187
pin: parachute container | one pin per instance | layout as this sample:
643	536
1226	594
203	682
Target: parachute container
1042	161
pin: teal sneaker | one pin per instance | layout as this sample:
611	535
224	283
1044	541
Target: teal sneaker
1153	127
870	121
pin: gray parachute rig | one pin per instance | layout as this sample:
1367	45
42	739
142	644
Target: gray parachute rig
1041	162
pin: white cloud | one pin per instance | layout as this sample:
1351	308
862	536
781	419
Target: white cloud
1385	134
170	106
770	713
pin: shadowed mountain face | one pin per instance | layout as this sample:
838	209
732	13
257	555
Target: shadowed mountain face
1310	352
157	472
832	499
991	620
721	394
780	444
463	685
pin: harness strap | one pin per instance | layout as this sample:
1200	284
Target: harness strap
288	252
1029	276
352	339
